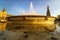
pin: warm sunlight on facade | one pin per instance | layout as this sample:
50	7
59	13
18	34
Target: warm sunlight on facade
3	19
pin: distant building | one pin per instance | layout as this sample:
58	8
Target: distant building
48	11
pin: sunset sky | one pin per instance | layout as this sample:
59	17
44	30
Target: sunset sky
15	7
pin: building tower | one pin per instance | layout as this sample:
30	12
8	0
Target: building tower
48	11
4	13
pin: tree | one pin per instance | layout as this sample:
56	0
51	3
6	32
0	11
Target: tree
58	18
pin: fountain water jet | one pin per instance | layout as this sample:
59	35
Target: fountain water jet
24	12
32	11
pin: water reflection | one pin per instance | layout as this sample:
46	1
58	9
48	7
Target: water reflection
19	35
3	26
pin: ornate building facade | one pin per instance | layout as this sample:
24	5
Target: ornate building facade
3	15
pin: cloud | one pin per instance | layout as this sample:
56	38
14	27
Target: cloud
54	7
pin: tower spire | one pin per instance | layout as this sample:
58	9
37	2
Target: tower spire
4	10
48	11
4	13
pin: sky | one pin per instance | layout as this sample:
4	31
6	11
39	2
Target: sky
15	7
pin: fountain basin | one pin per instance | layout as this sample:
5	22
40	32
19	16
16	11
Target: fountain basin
31	23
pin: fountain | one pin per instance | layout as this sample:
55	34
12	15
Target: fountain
32	22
